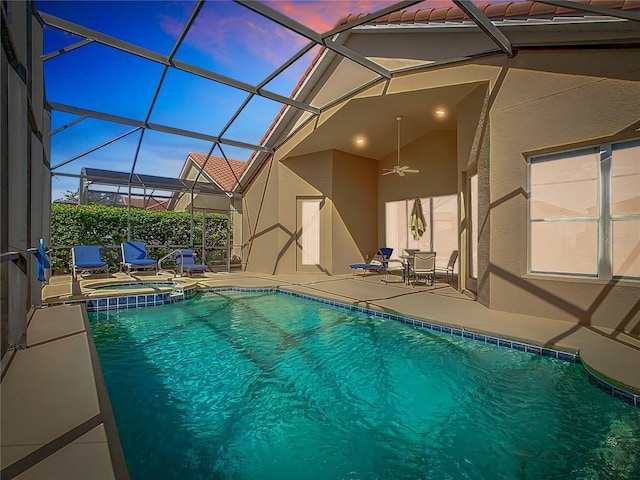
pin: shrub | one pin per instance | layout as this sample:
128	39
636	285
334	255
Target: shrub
106	226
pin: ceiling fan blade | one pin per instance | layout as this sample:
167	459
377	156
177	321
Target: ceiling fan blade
411	171
401	173
389	172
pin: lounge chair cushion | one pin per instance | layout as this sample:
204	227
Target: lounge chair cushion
87	257
142	261
90	264
368	266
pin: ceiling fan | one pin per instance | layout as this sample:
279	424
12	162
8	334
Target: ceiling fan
398	169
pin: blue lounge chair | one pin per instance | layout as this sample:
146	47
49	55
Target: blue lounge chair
186	263
87	257
380	263
374	266
134	256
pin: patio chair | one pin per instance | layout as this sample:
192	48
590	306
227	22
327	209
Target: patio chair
134	256
424	266
450	268
87	257
185	261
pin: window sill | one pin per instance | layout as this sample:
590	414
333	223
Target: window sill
586	280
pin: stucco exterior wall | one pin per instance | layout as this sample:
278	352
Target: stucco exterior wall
307	176
260	221
354	228
551	102
473	150
538	102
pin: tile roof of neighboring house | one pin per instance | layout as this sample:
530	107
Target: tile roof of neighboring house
506	10
146	203
224	174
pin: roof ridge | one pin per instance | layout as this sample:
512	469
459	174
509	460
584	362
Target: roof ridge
526	9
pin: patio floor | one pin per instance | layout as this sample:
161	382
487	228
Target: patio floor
57	421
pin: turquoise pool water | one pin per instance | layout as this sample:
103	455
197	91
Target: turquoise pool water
268	386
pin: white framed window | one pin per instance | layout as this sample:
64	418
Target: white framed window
584	212
440	232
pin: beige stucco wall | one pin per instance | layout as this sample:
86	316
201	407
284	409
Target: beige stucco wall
260	221
552	102
539	101
348	185
354	228
473	157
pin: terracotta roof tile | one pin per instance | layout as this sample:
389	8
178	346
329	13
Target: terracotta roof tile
224	174
629	5
540	9
437	14
455	14
498	10
518	9
395	16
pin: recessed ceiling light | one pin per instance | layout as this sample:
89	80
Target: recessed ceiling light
440	112
359	141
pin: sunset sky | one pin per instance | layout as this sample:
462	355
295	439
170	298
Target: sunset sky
226	38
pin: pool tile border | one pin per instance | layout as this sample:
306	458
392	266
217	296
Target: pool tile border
614	391
137	301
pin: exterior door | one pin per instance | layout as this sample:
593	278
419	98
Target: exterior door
309	234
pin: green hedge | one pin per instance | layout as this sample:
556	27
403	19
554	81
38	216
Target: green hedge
107	226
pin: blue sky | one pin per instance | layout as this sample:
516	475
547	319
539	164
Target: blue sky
226	38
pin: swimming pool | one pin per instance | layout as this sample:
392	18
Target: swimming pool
237	385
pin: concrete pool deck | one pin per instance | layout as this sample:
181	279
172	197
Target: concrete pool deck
56	417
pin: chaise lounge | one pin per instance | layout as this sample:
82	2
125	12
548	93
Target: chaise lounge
379	263
134	256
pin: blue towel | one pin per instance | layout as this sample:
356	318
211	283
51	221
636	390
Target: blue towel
43	263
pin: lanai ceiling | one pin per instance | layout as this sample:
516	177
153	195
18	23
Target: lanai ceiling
373	119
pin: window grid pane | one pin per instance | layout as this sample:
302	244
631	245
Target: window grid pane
569	248
625	180
626	248
566	187
445	233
